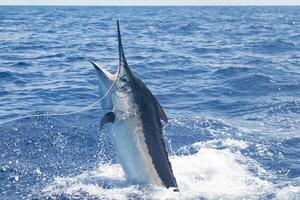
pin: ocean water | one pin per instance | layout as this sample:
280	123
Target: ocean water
227	77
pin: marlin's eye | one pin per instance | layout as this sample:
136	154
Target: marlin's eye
123	79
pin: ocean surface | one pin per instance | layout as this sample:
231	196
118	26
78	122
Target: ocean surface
227	77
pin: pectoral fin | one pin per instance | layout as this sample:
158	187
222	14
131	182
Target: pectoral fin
108	117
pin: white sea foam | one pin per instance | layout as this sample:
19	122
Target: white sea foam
209	173
289	192
228	143
217	174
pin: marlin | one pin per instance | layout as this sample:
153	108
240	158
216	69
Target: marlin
137	128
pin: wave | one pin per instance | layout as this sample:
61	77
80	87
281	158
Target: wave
5	75
286	107
211	160
22	64
208	173
252	84
231	71
272	46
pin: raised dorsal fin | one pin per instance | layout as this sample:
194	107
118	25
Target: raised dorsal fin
103	71
105	80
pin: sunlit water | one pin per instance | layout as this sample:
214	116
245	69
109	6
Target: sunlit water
227	77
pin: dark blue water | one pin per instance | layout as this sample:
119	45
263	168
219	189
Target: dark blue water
227	77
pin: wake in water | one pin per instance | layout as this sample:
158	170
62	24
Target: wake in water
211	169
211	160
208	174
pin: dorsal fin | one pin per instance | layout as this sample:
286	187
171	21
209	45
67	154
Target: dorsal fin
105	80
104	71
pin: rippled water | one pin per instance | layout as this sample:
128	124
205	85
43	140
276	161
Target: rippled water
227	77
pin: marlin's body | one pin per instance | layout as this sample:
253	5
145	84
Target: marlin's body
136	125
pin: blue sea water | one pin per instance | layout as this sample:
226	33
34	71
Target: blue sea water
227	77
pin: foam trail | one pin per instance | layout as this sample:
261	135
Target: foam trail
210	174
59	114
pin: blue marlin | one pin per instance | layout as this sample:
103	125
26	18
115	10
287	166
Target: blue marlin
136	118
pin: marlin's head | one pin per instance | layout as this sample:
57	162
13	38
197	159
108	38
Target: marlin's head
122	80
124	77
